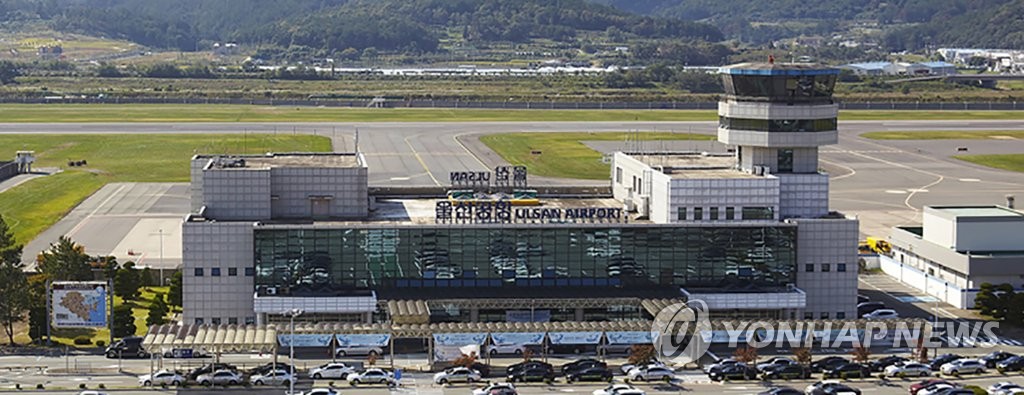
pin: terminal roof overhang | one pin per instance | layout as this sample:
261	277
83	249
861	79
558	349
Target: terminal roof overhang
212	338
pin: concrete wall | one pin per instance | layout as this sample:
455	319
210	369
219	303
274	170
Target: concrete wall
213	245
829	242
803	195
8	170
237	193
722	193
938	228
294	188
756	110
989	235
945	291
195	187
627	179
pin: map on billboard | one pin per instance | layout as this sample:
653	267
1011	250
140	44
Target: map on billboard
79	304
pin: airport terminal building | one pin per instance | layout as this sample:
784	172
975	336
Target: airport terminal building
749	233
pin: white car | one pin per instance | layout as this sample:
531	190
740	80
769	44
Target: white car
319	391
371	376
657	373
820	385
911	369
881	314
358	351
333	370
628	368
962	366
163	377
1003	387
619	389
934	389
457	375
91	392
220	377
277	377
495	387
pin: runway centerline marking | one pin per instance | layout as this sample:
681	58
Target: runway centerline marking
420	159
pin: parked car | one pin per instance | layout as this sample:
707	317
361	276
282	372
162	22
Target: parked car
371	376
786	372
849	370
332	370
319	391
512	349
619	389
882	363
162	377
963	366
185	353
457	375
1011	364
925	383
943	359
955	391
357	351
129	347
720	364
827	387
827	363
867	307
862	299
580	364
935	389
274	377
529	365
91	392
1003	388
496	388
209	368
881	314
531	374
775	362
781	391
737	371
594	373
656	373
613	349
628	367
270	367
220	377
991	359
908	369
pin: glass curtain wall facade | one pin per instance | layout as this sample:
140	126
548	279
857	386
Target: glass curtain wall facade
323	262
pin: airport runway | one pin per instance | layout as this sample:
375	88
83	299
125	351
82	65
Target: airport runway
884	183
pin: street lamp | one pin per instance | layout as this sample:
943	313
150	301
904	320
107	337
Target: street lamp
291	347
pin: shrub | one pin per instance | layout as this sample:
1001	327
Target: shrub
100	343
102	386
40	386
82	341
81	386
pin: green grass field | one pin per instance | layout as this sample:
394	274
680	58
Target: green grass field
33	206
946	135
564	154
1011	162
85	113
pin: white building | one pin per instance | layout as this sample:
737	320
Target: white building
957	249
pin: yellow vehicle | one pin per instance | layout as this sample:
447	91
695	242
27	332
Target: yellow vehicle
875	245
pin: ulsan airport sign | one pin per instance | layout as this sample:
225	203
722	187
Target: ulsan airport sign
504	212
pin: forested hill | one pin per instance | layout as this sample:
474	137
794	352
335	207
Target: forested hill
333	25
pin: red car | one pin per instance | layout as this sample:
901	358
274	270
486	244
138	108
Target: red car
922	384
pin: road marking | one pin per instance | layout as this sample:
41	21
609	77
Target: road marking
399	178
894	297
851	171
85	219
969	180
895	191
459	142
420	159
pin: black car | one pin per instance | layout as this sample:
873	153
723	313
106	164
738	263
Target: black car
848	371
943	359
839	389
786	372
733	372
781	391
867	307
270	367
862	299
995	357
881	364
827	363
129	347
581	364
594	373
955	391
531	374
210	368
529	365
1011	364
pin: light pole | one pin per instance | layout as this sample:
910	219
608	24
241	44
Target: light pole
161	257
291	347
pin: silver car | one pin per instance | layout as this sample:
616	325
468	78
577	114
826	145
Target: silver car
276	377
220	377
358	351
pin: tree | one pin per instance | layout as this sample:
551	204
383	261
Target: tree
465	360
8	71
108	70
802	355
641	354
745	354
124	322
65	261
861	354
146	277
370	53
37	318
127	282
157	311
108	264
174	293
13	282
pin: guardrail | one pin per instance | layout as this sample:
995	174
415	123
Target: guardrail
521	105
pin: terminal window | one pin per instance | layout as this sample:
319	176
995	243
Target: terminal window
758	213
232	271
826	267
618	175
730	213
698	214
713	212
215	272
841	267
198	272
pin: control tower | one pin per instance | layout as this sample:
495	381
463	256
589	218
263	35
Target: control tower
777	115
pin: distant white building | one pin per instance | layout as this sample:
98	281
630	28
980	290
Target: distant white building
902	68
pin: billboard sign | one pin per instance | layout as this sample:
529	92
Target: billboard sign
79	304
